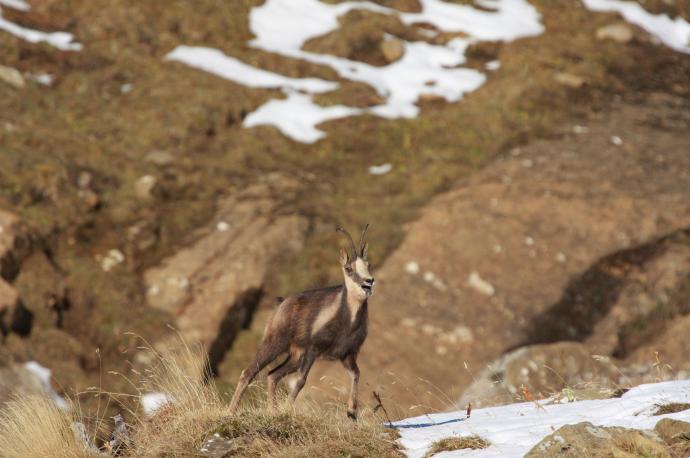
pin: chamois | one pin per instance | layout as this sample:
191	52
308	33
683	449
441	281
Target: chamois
328	323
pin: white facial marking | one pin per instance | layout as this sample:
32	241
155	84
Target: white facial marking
362	268
355	293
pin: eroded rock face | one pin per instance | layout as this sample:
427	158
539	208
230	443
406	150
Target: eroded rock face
212	285
42	290
499	251
585	439
653	296
543	370
14	244
9	300
14	247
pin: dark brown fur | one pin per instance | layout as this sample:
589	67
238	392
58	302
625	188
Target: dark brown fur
316	324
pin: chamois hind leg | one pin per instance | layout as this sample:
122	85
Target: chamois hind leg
306	361
350	363
268	351
290	365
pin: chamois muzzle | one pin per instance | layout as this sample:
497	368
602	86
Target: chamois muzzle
368	286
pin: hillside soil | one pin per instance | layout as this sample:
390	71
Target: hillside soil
125	162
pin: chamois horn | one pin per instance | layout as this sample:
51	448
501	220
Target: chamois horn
352	242
362	240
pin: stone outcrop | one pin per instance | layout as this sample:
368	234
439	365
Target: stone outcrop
619	32
12	76
543	370
674	431
585	439
17	380
212	286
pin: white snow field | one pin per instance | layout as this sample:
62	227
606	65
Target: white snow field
674	33
61	40
514	429
284	26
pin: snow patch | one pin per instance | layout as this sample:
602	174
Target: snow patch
61	40
297	116
151	402
283	27
380	169
493	65
44	374
501	20
46	79
215	62
674	33
514	429
18	5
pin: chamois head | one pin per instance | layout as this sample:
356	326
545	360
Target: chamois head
358	279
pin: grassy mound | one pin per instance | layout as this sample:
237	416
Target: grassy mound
195	423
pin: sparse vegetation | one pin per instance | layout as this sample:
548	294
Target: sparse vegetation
672	407
35	427
457	443
72	154
637	444
198	412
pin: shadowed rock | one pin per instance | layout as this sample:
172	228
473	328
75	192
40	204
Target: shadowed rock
527	225
212	286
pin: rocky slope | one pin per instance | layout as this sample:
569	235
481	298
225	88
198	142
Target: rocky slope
133	198
580	238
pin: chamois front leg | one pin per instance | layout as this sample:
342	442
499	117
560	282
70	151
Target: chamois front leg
350	363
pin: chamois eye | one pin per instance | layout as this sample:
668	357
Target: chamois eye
348	269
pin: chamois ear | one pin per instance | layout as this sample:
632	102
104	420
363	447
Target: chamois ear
365	250
343	257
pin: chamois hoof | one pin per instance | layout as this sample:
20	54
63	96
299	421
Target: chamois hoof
352	415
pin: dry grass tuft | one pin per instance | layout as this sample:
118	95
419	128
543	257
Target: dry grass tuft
34	426
178	428
637	444
197	414
672	407
258	432
457	443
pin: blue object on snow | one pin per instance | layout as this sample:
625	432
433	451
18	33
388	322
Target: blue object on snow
425	425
